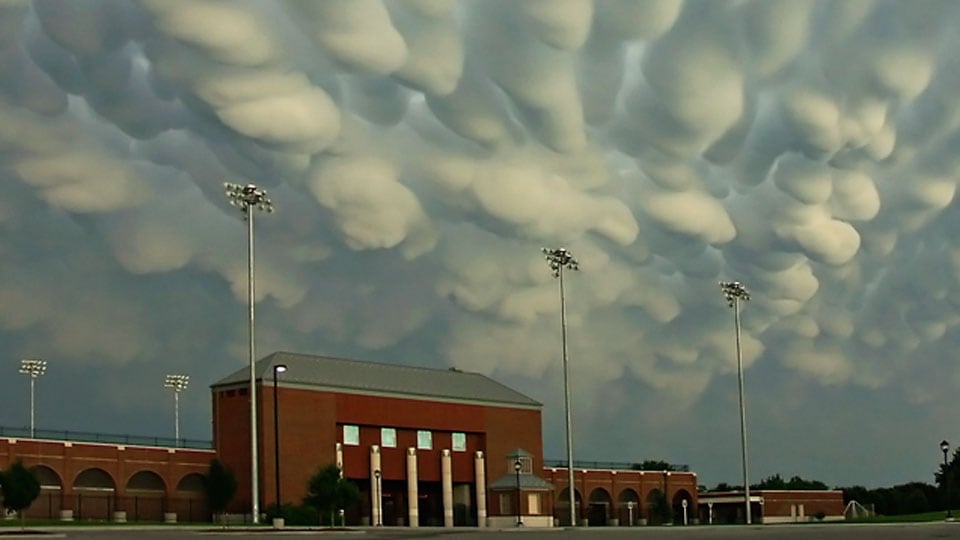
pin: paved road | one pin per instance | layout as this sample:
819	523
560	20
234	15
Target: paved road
781	532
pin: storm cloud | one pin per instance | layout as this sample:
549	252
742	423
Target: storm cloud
421	152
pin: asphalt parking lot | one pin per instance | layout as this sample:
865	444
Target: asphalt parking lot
788	532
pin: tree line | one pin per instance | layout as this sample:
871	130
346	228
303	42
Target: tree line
908	498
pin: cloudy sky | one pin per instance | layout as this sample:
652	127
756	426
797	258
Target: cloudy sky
420	153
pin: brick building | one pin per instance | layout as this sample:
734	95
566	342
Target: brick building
119	482
425	440
773	506
425	446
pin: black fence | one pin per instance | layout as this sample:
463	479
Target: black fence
106	507
88	436
611	465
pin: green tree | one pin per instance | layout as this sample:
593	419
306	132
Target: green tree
327	491
659	509
948	482
653	465
221	485
19	487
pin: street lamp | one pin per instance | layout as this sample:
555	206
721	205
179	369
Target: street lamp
247	198
277	369
516	468
34	367
558	259
179	384
376	487
735	292
945	448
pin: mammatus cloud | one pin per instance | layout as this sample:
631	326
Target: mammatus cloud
419	154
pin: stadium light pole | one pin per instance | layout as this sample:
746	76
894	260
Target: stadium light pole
277	369
735	292
249	198
34	367
945	448
178	383
558	259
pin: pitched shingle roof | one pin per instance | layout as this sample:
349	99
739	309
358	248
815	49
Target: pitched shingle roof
356	376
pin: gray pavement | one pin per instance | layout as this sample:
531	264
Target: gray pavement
920	531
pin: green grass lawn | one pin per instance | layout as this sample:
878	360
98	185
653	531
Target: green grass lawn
909	518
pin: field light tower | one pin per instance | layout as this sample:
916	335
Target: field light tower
558	259
178	383
34	367
735	292
248	198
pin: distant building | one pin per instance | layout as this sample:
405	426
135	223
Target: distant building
772	506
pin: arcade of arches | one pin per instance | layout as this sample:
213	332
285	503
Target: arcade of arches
90	481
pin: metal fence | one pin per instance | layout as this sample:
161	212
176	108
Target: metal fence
108	507
108	438
610	465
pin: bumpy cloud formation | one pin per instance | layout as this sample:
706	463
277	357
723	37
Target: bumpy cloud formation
420	152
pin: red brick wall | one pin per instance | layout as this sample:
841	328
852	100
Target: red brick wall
69	459
310	426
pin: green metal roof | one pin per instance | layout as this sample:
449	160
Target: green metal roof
356	376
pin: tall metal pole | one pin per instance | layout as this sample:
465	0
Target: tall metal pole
33	427
559	259
279	368
176	417
178	383
248	198
254	480
34	368
734	293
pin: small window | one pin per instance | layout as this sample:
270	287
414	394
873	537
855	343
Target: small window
506	504
533	503
459	442
351	435
424	440
388	437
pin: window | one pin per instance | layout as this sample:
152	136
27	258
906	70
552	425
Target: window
459	442
506	504
533	503
351	435
388	437
424	440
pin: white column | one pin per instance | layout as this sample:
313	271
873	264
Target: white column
481	481
413	503
340	459
375	495
446	477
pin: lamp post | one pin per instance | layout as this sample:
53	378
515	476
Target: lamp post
735	292
558	259
379	507
34	367
516	468
248	198
277	369
945	448
178	383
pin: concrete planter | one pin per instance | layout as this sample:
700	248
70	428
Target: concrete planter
170	517
66	515
119	516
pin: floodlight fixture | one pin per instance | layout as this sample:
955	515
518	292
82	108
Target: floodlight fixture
178	383
735	292
559	259
34	368
248	198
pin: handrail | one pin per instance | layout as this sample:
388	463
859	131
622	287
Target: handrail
107	438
